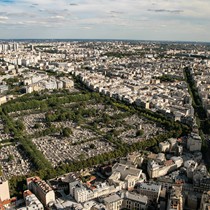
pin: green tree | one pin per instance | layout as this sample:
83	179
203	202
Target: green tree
10	158
66	132
37	125
140	132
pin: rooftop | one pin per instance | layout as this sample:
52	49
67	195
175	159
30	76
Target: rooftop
112	198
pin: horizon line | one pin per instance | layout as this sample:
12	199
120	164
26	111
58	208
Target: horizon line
104	39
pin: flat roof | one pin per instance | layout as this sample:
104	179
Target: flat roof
112	198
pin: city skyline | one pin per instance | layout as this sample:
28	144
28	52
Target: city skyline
91	19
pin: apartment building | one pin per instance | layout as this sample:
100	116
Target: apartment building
205	201
82	193
194	142
152	191
42	190
134	201
156	168
32	201
175	201
113	202
3	99
125	176
4	189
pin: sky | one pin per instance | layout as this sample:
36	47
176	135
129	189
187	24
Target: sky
172	20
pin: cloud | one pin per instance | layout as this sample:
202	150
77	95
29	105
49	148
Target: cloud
3	18
116	12
73	4
20	15
57	17
86	27
106	18
175	11
7	1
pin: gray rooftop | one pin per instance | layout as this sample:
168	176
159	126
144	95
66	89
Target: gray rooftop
112	198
